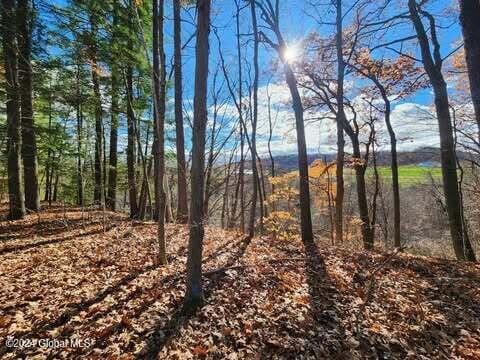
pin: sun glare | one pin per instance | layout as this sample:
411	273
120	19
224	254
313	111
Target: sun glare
291	53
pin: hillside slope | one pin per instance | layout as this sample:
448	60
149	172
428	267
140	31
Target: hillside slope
68	274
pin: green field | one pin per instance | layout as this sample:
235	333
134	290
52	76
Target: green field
410	174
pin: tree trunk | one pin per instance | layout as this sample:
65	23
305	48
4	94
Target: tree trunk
182	207
159	108
432	65
270	135
194	291
367	235
210	160
340	119
469	15
14	143
29	145
132	183
253	205
80	196
113	158
395	182
98	195
305	214
48	163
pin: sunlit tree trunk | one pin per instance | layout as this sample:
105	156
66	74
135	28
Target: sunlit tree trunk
80	195
182	207
132	183
253	144
340	119
432	65
112	163
14	141
159	79
98	195
469	17
29	145
194	291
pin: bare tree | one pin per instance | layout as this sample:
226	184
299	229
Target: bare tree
115	82
253	148
159	80
99	193
14	142
194	291
340	119
29	144
182	207
270	15
469	15
433	67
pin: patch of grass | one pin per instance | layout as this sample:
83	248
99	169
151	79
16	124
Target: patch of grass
410	174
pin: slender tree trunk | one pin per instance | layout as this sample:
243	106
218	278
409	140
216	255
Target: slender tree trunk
194	291
145	189
469	15
145	192
182	207
305	212
159	78
253	150
241	179
239	191
224	216
376	189
55	185
210	160
132	183
48	163
80	196
113	158
340	119
395	182
29	145
272	18
432	65
233	213
98	195
14	142
262	193
360	168
270	135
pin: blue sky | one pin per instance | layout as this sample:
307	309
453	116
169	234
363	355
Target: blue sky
297	21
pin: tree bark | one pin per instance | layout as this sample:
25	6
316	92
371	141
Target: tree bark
432	65
253	205
80	196
395	182
182	207
14	142
360	168
340	119
194	291
305	214
115	82
469	15
132	183
29	144
159	78
99	194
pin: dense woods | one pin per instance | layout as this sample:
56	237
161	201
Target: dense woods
296	154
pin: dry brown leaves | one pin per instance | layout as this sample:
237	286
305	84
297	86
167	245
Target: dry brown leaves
74	275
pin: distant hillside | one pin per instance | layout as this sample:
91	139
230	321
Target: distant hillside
424	155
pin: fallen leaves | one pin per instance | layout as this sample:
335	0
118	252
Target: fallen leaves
74	278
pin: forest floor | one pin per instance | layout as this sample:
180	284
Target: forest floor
79	284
